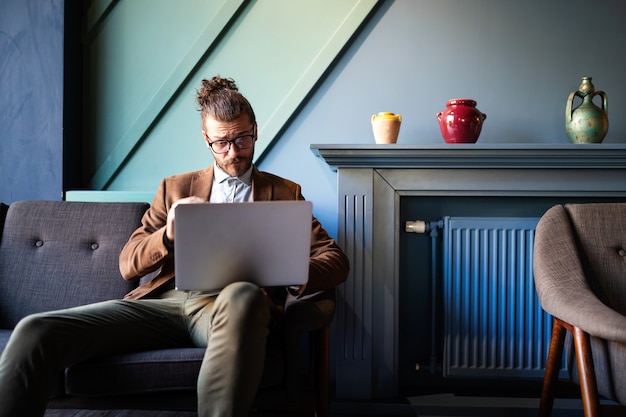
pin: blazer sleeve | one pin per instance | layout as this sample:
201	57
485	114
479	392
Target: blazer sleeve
328	265
146	250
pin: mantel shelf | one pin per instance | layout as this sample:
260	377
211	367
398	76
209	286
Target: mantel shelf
584	156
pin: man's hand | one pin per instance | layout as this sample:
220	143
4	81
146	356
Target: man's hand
169	228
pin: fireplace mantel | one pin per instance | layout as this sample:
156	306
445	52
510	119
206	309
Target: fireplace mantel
371	181
590	156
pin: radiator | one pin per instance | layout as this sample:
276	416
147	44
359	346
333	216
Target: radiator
493	323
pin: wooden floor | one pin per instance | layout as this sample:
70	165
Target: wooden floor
117	413
436	405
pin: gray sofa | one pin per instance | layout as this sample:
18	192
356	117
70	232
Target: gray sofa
56	254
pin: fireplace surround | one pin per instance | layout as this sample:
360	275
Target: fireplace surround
374	183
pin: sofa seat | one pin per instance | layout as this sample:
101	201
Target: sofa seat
142	372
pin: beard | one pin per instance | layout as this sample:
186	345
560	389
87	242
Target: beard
236	166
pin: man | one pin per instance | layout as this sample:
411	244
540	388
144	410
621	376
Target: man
234	325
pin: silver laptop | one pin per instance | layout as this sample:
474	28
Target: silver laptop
266	242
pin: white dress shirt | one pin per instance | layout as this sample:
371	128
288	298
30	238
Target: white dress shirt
227	189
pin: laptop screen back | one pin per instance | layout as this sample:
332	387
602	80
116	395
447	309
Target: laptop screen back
266	242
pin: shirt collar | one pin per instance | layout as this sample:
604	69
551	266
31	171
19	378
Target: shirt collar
221	176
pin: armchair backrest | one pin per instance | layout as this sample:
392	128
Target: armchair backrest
600	230
580	252
57	254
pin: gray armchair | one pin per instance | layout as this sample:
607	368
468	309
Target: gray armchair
580	277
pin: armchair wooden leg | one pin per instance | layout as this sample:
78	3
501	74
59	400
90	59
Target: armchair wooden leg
550	378
588	387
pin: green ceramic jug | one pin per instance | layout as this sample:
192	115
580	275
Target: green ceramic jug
587	123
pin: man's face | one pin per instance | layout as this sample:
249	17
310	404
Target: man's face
234	160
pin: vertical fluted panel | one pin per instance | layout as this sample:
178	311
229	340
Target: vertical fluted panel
353	318
357	322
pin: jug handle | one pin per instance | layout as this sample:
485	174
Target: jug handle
439	115
568	107
605	101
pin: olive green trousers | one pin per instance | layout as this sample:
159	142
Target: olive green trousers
233	325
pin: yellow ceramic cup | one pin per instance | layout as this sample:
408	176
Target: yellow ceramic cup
386	126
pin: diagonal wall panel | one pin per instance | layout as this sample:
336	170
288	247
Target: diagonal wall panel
134	70
142	76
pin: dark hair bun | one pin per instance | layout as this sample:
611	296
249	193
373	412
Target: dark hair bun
213	86
220	98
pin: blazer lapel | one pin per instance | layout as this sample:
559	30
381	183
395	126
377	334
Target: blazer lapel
261	186
201	184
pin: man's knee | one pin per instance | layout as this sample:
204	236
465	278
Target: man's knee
241	288
245	300
34	330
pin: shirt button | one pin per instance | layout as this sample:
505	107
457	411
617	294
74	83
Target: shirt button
39	243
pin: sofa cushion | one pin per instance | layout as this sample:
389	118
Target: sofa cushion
152	371
53	253
138	372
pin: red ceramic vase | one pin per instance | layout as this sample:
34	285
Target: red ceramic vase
460	122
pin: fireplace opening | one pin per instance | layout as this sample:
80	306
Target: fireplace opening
424	360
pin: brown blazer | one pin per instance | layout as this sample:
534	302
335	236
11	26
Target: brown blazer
146	251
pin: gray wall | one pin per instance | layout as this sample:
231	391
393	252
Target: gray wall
31	99
518	59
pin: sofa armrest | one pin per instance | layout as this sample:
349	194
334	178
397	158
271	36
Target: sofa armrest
311	312
307	317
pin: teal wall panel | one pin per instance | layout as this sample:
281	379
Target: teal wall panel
146	58
109	196
139	54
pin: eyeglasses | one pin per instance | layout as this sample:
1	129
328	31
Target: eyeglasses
241	142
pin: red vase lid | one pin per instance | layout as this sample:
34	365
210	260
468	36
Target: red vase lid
461	102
